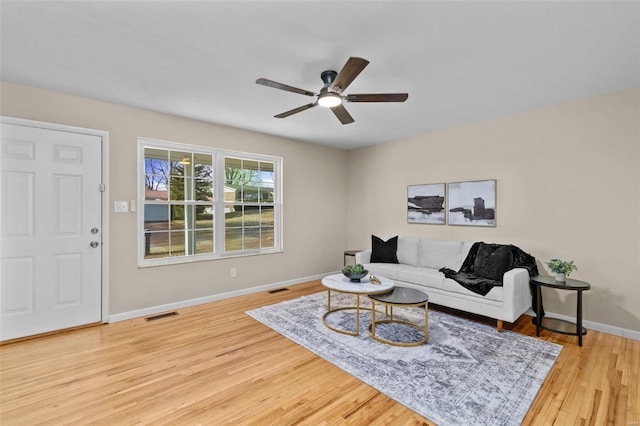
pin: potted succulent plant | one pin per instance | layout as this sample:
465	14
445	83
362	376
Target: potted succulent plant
561	268
354	272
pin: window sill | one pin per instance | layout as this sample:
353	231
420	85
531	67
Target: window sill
166	261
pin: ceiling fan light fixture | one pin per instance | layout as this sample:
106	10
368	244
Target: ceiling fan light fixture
329	100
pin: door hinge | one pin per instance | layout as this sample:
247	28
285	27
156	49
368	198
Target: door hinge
102	187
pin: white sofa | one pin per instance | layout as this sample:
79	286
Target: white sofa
419	261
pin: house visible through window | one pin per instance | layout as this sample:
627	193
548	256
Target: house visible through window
201	203
249	223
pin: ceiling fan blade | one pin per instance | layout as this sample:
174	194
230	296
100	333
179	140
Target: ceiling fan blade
377	97
342	114
348	73
296	110
276	85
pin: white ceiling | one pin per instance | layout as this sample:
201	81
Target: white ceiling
459	61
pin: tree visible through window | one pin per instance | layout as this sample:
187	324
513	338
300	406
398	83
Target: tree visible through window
181	215
178	207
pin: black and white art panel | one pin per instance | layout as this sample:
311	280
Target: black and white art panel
426	204
472	203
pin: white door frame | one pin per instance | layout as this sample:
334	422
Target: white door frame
105	194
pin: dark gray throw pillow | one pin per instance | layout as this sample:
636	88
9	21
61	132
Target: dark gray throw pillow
492	263
384	251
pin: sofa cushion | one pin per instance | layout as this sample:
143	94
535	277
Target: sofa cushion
492	263
384	251
423	276
439	254
387	270
408	251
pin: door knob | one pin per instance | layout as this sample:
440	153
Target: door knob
94	244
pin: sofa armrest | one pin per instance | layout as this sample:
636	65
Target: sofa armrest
516	293
363	257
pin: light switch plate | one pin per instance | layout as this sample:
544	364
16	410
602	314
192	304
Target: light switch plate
120	207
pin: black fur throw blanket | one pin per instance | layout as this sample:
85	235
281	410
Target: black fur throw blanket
486	263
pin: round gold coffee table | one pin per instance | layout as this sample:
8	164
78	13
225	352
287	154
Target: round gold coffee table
341	284
400	297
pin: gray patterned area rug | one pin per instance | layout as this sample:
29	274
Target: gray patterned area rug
466	374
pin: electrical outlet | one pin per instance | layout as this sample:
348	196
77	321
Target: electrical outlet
234	272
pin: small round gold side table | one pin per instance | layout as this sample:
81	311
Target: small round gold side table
400	297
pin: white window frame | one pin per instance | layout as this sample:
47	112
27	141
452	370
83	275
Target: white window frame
219	156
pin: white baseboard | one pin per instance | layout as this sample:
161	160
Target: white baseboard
616	331
609	329
122	316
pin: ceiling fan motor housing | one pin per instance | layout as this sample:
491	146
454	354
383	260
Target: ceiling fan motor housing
328	77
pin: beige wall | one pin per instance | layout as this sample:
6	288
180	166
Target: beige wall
314	178
568	186
568	180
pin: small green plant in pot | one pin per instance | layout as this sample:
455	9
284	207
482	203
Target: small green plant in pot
561	268
354	272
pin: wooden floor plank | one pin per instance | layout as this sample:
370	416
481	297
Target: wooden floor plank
213	364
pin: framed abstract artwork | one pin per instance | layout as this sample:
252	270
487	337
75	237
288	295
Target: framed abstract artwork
426	204
472	203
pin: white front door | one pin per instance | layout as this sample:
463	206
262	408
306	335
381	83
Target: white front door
50	230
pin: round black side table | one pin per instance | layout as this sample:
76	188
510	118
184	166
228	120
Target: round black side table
400	297
557	325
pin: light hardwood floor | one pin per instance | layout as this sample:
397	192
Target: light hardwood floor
212	364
